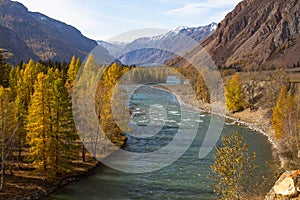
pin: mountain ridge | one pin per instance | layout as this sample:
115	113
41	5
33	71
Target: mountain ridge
45	37
258	29
255	33
158	49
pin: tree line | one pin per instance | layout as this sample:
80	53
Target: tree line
252	90
36	119
280	99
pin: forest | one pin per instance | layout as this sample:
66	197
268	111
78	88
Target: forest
37	126
38	132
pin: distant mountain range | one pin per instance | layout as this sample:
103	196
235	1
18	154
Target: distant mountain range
26	35
158	49
256	33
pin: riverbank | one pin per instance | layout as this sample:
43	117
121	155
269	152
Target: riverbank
256	121
27	186
22	184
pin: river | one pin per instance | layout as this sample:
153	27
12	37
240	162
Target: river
187	178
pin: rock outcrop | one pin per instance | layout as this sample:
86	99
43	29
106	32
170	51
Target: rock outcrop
286	187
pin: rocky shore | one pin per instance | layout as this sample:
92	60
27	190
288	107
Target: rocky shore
287	186
254	120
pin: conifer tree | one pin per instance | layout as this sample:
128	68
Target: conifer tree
104	97
5	70
23	89
62	125
84	107
39	127
50	126
77	65
8	128
72	70
13	79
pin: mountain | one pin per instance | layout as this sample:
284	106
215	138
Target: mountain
13	47
257	33
158	49
115	49
34	35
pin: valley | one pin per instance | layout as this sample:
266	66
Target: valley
199	112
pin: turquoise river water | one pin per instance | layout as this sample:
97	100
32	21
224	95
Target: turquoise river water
187	178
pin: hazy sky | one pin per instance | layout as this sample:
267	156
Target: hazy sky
103	19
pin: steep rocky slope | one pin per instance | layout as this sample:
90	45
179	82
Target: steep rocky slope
45	37
9	41
257	34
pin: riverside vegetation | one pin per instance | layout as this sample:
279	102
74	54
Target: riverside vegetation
268	90
38	135
39	144
266	99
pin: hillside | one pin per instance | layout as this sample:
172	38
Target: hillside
8	43
33	35
257	33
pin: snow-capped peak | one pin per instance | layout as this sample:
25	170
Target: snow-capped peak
178	29
213	26
185	29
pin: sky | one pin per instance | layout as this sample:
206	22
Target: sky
104	19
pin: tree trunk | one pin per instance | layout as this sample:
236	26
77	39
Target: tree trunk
2	163
2	147
83	152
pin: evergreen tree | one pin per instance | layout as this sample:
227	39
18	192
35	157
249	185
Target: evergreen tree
5	70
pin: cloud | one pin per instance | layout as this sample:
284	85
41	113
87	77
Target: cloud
101	19
78	15
201	7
